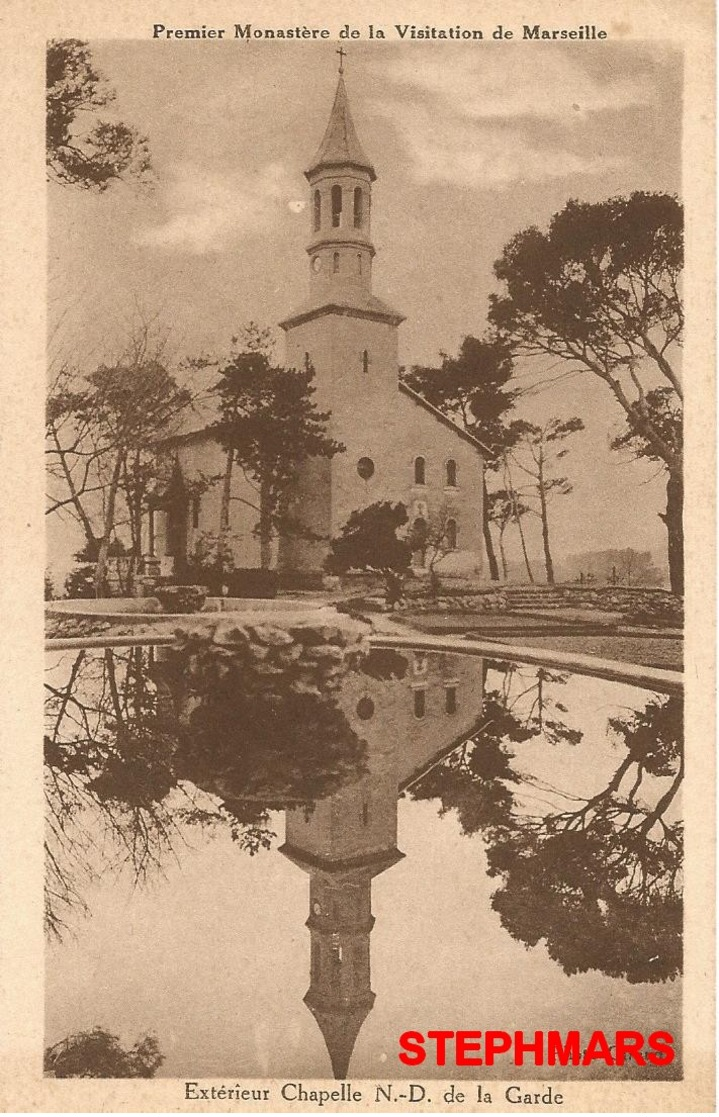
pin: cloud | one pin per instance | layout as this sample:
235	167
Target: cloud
472	153
550	86
492	119
206	209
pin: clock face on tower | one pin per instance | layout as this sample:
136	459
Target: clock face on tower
316	264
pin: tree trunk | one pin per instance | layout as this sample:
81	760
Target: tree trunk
518	522
101	565
265	530
503	554
674	520
226	491
540	699
515	515
84	519
545	524
488	544
133	496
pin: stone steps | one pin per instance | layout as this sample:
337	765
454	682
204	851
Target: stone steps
539	598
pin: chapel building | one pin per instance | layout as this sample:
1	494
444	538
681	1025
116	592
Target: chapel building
398	447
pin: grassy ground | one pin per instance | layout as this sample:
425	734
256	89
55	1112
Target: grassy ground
491	623
648	648
649	651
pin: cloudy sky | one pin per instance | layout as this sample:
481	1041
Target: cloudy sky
471	143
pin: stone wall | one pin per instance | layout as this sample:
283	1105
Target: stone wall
311	658
484	601
642	604
618	599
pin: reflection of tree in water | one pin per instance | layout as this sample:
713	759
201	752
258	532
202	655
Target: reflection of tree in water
598	879
535	706
201	739
99	1054
384	665
473	779
107	750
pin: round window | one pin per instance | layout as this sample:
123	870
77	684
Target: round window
365	468
365	708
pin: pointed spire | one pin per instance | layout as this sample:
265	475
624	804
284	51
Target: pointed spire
340	144
340	1028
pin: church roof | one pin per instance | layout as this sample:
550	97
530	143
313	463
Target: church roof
422	402
340	144
352	301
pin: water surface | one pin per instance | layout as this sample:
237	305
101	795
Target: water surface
279	883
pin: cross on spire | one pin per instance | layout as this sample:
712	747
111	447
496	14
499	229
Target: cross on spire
343	54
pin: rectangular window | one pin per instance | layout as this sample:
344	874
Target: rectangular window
419	704
450	700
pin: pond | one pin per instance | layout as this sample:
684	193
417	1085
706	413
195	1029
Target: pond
270	860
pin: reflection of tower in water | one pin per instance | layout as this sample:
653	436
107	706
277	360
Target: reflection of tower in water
340	922
351	837
347	840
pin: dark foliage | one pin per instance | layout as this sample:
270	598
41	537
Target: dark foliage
99	1054
90	155
369	541
270	424
474	388
600	289
599	883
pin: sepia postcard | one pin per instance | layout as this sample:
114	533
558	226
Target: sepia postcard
358	441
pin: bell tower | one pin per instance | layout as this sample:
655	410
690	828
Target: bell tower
344	331
341	252
340	178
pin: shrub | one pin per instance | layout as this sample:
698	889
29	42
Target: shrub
99	1054
252	581
80	582
181	599
302	579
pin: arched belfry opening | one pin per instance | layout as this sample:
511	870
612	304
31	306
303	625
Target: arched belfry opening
358	207
336	206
